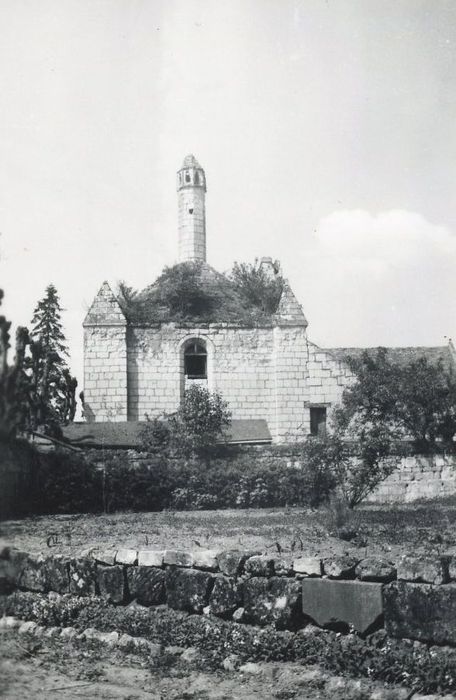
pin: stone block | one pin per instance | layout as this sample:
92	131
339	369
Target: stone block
11	567
421	611
226	596
205	559
83	577
150	557
146	584
174	557
342	566
311	566
231	562
105	556
330	603
33	575
375	569
188	589
111	583
282	566
259	565
56	574
273	601
127	556
424	569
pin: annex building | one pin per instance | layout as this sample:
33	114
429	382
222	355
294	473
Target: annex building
139	358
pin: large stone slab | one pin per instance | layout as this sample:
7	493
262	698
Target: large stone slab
226	596
188	589
421	611
353	603
274	601
111	583
146	584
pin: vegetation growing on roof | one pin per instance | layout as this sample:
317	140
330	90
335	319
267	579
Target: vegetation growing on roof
193	292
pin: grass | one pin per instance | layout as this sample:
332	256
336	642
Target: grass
381	530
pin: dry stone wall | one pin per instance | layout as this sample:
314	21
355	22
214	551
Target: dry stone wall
414	599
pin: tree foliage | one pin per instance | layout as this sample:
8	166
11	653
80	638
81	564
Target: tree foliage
388	406
257	287
193	292
52	389
194	429
37	391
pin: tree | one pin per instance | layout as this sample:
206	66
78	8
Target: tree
368	421
194	429
51	387
257	287
13	381
426	404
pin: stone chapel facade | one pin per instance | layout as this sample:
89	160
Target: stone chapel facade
270	372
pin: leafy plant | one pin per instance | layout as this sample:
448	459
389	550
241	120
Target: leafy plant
257	287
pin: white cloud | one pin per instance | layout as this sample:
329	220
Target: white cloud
388	279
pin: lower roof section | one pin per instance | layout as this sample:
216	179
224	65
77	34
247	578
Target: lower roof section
126	434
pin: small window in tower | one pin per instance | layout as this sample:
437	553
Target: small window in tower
197	179
195	361
190	211
318	421
187	176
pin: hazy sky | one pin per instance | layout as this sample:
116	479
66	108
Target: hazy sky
327	130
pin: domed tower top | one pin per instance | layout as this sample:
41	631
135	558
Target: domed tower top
191	174
191	194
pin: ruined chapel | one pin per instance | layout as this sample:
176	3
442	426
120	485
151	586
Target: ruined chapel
278	384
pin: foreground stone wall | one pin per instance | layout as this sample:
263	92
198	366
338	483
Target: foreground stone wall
415	599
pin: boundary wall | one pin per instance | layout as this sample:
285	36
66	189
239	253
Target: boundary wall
414	599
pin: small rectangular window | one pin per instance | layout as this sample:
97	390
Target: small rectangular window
318	421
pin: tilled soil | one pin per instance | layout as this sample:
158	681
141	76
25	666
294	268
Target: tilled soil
387	531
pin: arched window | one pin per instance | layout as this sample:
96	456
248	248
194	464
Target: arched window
197	178
195	360
187	176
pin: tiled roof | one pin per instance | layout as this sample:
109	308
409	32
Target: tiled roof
404	355
126	434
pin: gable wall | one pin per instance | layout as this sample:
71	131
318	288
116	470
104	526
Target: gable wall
240	366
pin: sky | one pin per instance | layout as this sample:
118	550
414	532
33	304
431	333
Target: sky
326	128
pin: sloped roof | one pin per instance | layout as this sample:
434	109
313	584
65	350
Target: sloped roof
126	434
402	355
105	309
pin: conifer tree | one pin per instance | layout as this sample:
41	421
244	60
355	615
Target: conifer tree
52	399
47	326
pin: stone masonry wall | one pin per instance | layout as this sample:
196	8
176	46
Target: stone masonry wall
105	373
414	598
269	373
417	477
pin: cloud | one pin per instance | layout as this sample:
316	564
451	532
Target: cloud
388	278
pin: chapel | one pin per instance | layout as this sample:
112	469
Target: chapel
139	357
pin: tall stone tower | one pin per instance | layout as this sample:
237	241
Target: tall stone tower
191	193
